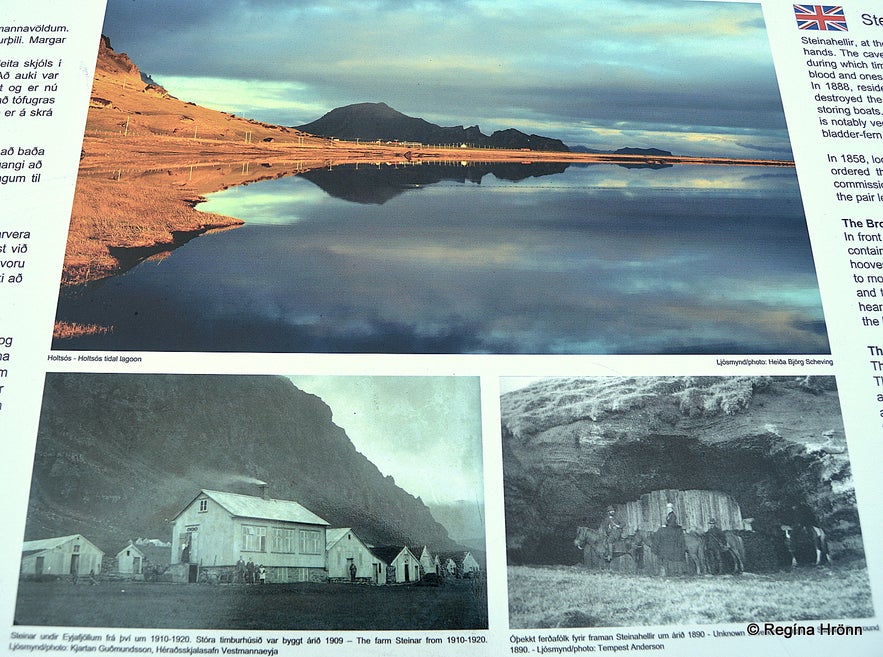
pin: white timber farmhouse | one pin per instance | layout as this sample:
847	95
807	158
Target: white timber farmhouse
72	556
216	529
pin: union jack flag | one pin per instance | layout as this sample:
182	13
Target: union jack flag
820	17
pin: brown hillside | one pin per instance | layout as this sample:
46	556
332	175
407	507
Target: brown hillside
148	158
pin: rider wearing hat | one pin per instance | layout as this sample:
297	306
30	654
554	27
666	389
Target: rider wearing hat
611	528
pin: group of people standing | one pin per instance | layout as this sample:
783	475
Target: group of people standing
250	573
670	543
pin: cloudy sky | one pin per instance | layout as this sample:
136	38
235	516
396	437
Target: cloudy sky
424	431
690	77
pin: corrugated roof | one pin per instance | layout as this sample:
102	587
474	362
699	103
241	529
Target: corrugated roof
456	557
46	543
250	506
50	543
388	553
131	546
332	535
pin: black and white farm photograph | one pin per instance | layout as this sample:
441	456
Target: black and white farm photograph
256	502
637	501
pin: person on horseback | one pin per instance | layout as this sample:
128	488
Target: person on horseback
611	530
672	547
671	518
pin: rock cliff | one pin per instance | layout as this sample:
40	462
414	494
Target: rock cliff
573	446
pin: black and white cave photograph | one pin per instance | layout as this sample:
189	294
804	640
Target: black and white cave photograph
637	501
256	502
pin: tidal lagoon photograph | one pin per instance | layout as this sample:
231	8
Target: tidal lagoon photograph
430	185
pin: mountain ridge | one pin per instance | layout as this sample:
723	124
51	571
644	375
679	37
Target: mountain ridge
119	455
380	122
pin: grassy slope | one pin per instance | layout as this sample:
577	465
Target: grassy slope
568	596
455	605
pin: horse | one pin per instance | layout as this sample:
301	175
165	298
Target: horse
732	552
695	549
678	550
669	545
593	544
806	544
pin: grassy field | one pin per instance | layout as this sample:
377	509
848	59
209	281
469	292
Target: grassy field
454	605
571	596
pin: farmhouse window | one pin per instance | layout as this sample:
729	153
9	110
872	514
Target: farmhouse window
254	539
203	506
284	540
310	541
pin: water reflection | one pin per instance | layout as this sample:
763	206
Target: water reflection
481	259
379	184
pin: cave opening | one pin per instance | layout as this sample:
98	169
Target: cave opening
774	482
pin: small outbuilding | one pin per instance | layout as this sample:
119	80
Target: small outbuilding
458	564
349	559
428	563
72	556
469	566
400	563
130	562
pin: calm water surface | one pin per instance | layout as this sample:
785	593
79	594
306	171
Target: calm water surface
481	259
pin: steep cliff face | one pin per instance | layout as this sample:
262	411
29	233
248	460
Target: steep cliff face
111	61
119	66
573	446
119	455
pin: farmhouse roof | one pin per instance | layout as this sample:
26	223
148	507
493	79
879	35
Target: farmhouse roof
457	557
250	506
333	535
31	547
389	553
133	547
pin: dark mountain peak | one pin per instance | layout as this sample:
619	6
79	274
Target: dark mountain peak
630	150
368	109
379	121
512	138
